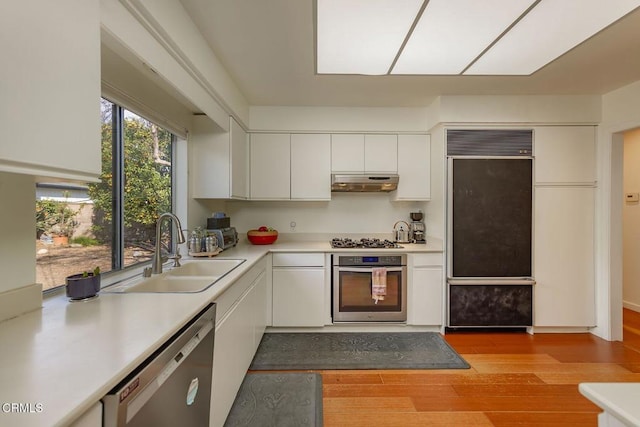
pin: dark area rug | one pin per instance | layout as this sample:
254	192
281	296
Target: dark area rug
410	350
278	400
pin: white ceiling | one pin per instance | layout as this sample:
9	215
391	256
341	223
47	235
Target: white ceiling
268	48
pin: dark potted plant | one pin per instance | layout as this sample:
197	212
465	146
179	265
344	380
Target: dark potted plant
83	285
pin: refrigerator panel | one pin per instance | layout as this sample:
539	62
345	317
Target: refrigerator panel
491	229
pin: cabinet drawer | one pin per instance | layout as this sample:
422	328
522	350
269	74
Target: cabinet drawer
298	260
234	292
430	259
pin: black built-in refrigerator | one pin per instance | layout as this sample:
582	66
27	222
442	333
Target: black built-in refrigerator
489	224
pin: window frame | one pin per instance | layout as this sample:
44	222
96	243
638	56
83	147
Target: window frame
118	180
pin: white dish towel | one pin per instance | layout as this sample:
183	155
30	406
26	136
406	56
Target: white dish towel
378	284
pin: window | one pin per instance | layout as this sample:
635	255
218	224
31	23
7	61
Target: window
110	224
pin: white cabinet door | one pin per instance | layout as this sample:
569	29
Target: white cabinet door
425	297
232	354
381	153
565	154
238	334
51	89
564	294
257	300
219	160
414	167
239	161
356	153
298	297
270	166
210	154
311	166
347	153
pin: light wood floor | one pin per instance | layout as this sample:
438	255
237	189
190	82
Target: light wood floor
515	380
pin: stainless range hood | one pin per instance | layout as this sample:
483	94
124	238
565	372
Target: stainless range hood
364	183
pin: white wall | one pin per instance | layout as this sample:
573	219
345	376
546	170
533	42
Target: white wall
17	214
162	36
435	211
620	112
621	107
631	222
18	292
142	91
345	213
542	109
338	119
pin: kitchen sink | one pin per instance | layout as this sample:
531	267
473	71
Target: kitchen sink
162	283
191	277
217	267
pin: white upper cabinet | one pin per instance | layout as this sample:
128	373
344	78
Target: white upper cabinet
311	166
414	167
347	153
50	87
219	160
239	161
270	155
565	154
381	153
356	153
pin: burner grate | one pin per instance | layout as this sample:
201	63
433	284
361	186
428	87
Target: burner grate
366	243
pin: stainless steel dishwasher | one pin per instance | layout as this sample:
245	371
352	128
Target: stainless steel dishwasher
173	386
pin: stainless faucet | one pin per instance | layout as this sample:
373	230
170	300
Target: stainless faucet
156	267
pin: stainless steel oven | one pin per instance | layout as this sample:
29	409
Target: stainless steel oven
369	288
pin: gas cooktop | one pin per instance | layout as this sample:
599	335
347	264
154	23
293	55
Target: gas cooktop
365	243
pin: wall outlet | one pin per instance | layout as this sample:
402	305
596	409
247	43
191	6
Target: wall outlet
632	197
292	226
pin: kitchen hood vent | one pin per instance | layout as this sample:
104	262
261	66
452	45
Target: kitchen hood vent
364	183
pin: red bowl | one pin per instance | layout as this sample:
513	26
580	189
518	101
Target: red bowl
262	237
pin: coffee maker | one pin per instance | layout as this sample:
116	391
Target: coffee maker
416	228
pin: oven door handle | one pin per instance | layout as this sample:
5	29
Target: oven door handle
368	269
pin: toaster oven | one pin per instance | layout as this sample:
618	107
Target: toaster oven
226	237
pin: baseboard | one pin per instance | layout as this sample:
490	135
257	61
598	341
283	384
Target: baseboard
357	327
631	306
560	330
15	302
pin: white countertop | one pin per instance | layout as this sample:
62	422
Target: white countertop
67	356
622	400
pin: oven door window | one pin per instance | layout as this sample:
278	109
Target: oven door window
355	292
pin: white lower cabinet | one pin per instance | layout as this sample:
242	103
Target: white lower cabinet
298	290
425	296
238	333
564	294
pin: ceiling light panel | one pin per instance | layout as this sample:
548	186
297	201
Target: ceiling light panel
361	36
452	33
549	30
